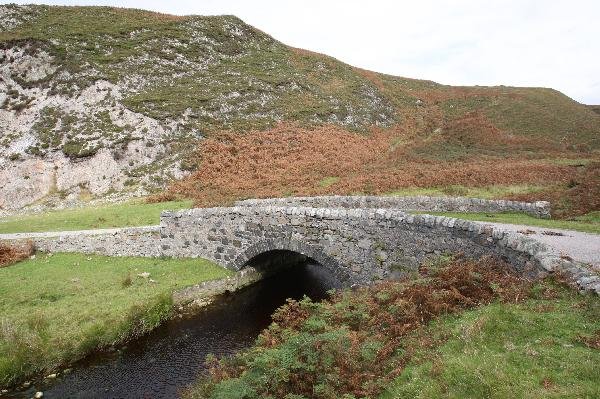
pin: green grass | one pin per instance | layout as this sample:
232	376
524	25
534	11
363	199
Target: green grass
509	351
328	181
489	192
107	216
589	223
571	161
55	309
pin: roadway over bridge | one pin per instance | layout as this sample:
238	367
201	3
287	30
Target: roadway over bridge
359	239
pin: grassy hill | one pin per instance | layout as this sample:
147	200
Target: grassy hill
79	80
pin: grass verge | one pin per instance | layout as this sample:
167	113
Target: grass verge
589	223
118	215
55	309
540	348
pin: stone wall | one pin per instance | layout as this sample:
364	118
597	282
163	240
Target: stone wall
432	204
134	241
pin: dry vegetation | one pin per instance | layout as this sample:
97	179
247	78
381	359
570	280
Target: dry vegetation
293	160
579	196
10	254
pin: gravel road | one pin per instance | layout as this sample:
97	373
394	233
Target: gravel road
581	247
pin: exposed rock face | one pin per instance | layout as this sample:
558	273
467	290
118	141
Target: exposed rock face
25	182
55	144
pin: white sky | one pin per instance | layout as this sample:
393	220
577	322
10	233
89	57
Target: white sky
548	43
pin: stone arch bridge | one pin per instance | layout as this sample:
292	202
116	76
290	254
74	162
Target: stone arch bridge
360	239
357	245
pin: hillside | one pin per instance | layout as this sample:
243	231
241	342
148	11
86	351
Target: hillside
100	102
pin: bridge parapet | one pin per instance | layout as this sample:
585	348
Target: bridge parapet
539	209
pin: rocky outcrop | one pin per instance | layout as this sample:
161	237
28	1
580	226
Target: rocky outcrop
57	145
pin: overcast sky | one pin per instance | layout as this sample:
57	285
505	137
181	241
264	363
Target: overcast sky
512	42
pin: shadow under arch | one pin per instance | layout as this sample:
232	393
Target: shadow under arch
274	246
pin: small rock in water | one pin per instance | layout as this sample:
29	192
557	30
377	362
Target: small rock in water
4	391
26	384
144	275
66	371
38	395
52	376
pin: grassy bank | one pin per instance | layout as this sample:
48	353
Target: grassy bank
465	329
55	309
589	223
541	348
136	213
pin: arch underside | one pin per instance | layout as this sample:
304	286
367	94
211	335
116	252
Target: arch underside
312	252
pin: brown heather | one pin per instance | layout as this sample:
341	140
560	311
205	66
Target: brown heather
294	160
10	254
381	319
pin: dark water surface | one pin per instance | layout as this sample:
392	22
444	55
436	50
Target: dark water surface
160	364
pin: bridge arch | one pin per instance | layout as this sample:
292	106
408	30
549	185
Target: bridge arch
269	245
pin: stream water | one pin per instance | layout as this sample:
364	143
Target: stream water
167	360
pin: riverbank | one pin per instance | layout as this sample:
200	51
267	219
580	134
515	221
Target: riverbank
166	360
57	308
463	329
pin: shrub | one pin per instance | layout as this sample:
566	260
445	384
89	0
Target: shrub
126	281
294	159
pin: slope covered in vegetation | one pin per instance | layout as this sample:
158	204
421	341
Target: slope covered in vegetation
465	329
96	100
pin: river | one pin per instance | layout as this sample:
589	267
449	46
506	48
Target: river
162	363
